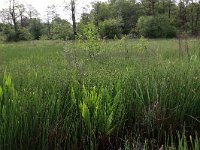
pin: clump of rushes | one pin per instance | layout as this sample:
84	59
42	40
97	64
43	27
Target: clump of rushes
101	112
9	112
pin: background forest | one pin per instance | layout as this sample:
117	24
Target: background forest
148	18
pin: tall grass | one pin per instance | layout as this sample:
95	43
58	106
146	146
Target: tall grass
126	97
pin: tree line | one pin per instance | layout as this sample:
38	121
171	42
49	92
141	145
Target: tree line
113	19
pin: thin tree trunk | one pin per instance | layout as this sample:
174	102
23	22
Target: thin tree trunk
185	16
192	18
163	5
197	18
21	18
169	9
153	8
30	15
49	30
98	16
73	18
13	15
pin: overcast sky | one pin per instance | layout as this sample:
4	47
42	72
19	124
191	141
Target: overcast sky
41	6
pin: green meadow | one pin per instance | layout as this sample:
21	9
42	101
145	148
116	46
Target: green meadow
119	94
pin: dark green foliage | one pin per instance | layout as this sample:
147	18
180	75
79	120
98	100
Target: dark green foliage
24	34
84	21
1	27
128	13
111	28
102	11
155	27
36	29
9	33
62	29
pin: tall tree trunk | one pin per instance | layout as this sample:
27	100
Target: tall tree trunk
30	15
181	25
197	18
192	17
153	8
185	16
169	9
12	13
73	10
21	19
97	14
163	5
49	30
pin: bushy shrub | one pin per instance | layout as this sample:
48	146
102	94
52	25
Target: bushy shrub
62	31
90	40
12	35
44	37
9	33
36	29
111	28
155	27
24	34
143	25
1	37
1	27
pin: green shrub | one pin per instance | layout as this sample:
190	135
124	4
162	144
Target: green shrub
2	37
155	27
111	28
142	45
9	33
21	34
62	30
36	29
12	35
1	27
90	40
24	34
